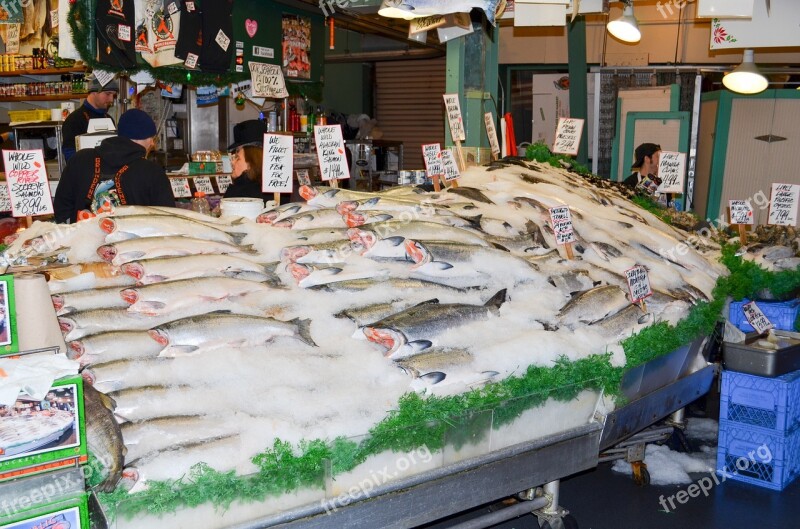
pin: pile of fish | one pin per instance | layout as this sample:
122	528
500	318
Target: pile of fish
209	338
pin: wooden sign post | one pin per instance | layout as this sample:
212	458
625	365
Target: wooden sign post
28	189
491	131
783	204
639	286
561	222
432	156
277	165
568	136
741	214
331	154
456	123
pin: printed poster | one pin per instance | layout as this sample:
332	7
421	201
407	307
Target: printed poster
296	46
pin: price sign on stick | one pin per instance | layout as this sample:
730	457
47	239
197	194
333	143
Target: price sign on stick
5	200
223	183
568	136
783	204
491	131
756	318
180	187
303	178
449	166
671	171
267	80
638	285
561	222
330	152
203	183
278	164
742	214
454	119
432	156
28	188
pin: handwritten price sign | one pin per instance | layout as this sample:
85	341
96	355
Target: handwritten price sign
203	183
28	188
330	152
671	171
449	166
783	204
491	131
267	80
453	109
303	178
180	187
561	221
432	156
638	283
741	212
278	164
756	318
223	183
568	136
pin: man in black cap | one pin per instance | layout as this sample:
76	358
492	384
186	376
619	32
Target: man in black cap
96	105
645	168
114	173
246	158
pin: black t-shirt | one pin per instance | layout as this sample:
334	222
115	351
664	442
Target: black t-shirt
116	33
218	42
77	123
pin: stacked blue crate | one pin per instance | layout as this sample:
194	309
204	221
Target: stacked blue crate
759	438
782	314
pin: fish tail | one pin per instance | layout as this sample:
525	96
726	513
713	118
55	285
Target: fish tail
238	237
304	332
497	300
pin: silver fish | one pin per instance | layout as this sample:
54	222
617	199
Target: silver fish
99	298
320	218
624	322
150	271
112	346
593	305
214	331
146	438
434	362
416	329
314	275
123	374
419	230
391	284
123	228
377	311
129	250
151	402
333	252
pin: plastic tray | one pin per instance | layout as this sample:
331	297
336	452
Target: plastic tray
782	314
757	456
772	403
747	357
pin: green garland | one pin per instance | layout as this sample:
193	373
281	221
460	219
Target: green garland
81	11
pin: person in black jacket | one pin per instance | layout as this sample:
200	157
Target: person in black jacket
95	106
114	173
246	158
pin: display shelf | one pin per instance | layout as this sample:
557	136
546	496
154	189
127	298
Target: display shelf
25	99
44	71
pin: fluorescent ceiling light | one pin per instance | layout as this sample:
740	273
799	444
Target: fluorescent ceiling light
626	27
746	78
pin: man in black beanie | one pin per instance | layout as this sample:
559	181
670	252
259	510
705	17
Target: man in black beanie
95	106
114	173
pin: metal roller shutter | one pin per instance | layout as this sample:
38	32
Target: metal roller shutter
408	103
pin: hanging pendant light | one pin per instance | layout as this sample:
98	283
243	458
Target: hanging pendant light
746	78
626	27
393	9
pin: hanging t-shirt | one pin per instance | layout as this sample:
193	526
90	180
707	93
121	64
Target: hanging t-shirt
157	26
190	41
218	46
114	21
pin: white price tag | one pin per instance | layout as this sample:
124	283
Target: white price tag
172	8
491	131
303	178
223	40
783	204
190	6
453	109
568	136
741	212
203	183
638	283
278	163
756	318
671	171
5	200
331	152
54	18
223	183
265	53
191	60
124	32
449	166
180	187
103	77
561	222
267	80
26	177
432	156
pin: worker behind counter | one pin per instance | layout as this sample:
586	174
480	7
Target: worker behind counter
96	105
246	157
114	173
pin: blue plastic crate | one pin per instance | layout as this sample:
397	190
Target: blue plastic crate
757	456
772	403
782	314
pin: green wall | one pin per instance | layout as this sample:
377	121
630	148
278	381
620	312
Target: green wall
348	86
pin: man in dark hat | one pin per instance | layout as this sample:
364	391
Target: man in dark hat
114	173
645	167
246	158
96	105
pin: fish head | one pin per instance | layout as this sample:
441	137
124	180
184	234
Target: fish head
108	225
285	223
107	252
390	339
353	219
267	218
358	247
299	271
366	238
133	269
293	253
66	324
417	252
58	301
88	376
130	479
76	350
308	192
129	295
346	206
160	336
8	240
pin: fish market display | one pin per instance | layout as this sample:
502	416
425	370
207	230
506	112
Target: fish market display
211	338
